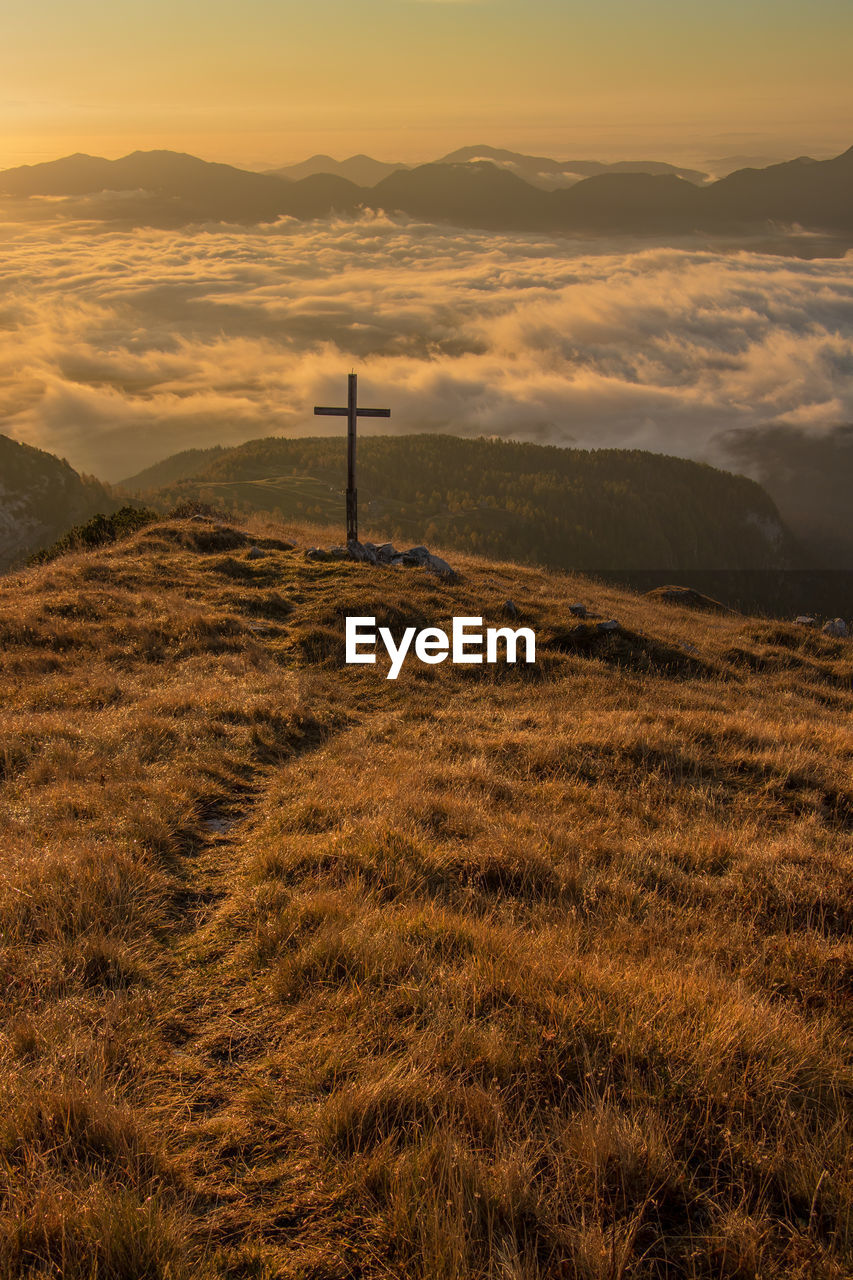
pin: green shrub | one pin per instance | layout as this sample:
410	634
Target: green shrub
97	532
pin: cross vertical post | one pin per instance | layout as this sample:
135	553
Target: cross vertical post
352	413
352	492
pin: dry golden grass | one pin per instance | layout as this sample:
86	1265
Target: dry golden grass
479	973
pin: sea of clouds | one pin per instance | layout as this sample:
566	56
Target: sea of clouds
120	347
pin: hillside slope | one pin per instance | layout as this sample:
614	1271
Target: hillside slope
484	972
566	508
41	497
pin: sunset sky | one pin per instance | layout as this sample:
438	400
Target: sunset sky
271	81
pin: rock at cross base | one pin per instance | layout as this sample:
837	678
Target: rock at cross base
424	559
361	551
805	620
387	555
837	627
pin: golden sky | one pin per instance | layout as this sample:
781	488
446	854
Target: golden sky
272	81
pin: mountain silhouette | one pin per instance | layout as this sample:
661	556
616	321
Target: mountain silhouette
630	202
549	174
539	171
471	194
174	187
168	188
364	171
813	193
171	172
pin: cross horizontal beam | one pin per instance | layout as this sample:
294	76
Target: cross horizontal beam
319	412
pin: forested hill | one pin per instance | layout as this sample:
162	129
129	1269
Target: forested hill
565	508
41	497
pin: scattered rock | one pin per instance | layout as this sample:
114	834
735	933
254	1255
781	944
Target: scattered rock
218	826
386	554
610	625
415	557
577	610
255	553
687	646
510	609
435	564
805	620
364	552
837	627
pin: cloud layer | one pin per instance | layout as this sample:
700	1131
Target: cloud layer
121	347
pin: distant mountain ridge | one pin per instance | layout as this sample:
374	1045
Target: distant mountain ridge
364	171
549	174
174	187
41	497
539	171
167	188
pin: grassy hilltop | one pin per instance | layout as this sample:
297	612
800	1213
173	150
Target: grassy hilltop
479	973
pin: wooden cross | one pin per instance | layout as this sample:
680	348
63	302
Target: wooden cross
351	413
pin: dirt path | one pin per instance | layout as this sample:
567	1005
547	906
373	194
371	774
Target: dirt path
223	1029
